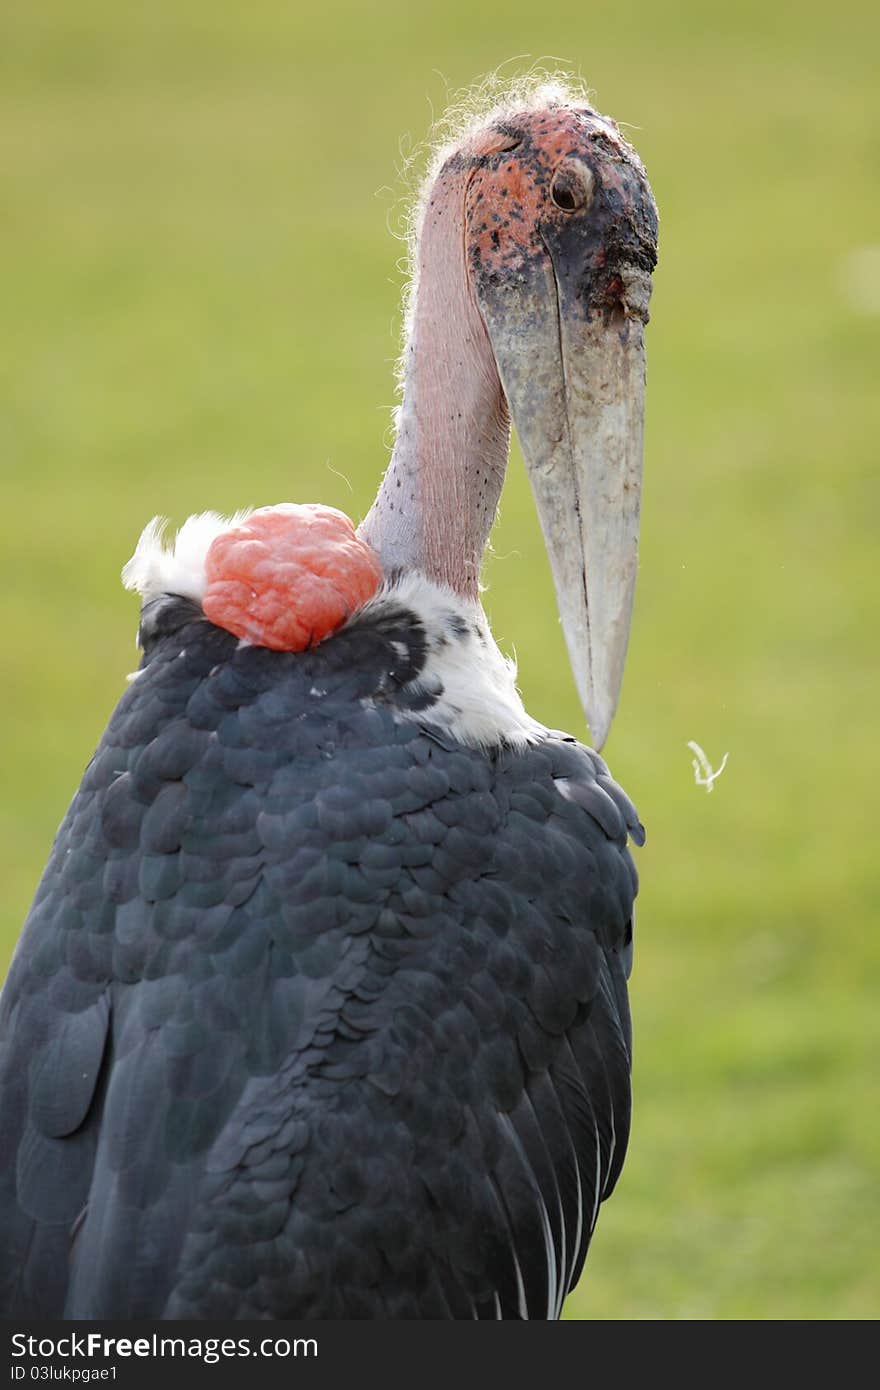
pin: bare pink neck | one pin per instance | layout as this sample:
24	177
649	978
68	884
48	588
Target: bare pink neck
436	504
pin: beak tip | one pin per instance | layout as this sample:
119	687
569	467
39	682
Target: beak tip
598	735
599	693
599	701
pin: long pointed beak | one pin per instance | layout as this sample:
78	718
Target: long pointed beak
576	388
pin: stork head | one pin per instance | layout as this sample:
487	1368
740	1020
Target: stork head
560	236
532	274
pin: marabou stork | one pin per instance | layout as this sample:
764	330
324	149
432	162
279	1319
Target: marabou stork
321	1007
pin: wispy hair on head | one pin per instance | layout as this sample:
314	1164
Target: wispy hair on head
497	96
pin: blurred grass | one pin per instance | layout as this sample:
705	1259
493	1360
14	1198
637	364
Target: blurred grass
200	311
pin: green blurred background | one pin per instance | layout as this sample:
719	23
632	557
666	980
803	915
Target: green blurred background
200	310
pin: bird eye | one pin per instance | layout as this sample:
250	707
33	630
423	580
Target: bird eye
572	187
563	198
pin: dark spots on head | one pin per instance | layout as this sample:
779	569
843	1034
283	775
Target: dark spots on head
496	240
459	162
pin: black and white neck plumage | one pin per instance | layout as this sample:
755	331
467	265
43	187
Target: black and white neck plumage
462	678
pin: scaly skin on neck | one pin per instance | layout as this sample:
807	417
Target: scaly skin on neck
437	502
